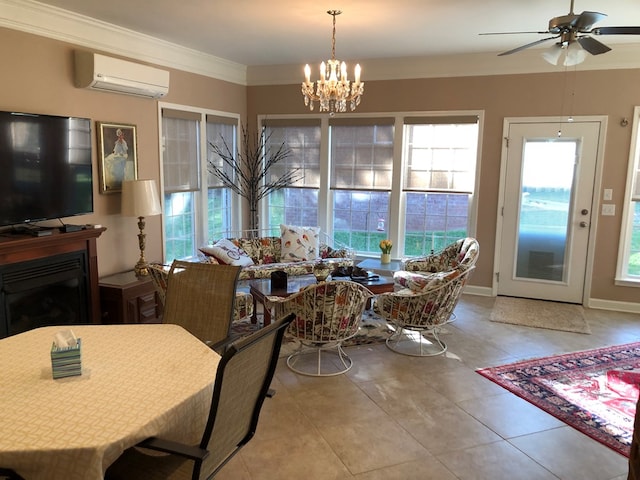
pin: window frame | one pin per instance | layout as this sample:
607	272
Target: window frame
395	228
623	278
200	234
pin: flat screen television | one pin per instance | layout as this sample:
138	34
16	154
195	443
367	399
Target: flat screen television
45	167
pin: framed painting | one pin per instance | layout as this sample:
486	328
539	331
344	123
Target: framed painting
117	155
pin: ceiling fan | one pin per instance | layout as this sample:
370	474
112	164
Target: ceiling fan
571	29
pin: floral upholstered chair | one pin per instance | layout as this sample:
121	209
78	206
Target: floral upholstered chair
419	311
461	254
327	313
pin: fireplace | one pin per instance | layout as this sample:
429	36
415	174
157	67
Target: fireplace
49	280
42	292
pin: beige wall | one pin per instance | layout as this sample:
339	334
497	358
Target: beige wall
611	93
37	77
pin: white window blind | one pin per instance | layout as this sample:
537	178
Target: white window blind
180	139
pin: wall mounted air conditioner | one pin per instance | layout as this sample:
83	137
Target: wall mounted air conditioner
108	74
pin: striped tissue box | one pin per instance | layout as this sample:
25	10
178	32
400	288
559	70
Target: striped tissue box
66	362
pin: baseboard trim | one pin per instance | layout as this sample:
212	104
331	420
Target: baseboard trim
617	306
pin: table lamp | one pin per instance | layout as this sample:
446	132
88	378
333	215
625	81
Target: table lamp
140	199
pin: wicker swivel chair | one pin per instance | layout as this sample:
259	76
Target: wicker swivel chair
418	314
200	298
327	314
242	380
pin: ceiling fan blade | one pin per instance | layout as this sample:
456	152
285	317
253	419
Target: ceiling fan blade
593	46
586	20
616	31
508	33
532	44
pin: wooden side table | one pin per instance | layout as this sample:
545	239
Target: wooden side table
124	298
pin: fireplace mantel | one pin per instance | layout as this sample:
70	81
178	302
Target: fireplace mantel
16	248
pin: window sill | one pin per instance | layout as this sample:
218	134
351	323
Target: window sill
627	282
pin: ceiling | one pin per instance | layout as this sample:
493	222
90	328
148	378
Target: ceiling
285	32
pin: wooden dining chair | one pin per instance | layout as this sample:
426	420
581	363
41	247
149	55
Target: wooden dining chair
242	381
200	297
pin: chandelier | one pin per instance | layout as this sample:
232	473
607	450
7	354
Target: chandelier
333	91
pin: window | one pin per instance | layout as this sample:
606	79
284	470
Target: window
297	204
195	203
361	172
439	178
628	270
407	178
221	131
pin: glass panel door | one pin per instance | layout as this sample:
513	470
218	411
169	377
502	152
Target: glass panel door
546	207
546	191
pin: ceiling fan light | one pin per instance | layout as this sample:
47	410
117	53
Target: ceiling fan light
569	56
552	54
575	55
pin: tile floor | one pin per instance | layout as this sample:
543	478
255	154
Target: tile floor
393	417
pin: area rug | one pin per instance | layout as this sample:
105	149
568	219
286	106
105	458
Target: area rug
373	329
540	314
593	391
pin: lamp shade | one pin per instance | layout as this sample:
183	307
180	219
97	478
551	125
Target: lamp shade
140	198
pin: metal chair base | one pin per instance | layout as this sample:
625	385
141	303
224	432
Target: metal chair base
314	362
415	342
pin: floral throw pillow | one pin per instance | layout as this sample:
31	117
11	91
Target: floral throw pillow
299	244
226	252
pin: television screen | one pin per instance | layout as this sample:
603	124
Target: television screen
45	167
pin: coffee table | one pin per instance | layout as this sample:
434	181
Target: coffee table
260	289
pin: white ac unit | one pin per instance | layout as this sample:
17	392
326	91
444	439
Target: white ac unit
108	74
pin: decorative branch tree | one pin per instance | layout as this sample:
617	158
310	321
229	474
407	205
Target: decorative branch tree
247	173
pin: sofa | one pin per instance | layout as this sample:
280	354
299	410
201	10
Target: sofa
296	251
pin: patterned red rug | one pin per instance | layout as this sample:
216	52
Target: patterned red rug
594	391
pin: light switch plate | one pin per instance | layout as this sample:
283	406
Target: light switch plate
608	209
607	194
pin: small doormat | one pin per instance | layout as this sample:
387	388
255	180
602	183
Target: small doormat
593	391
540	314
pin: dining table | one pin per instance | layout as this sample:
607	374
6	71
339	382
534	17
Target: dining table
136	381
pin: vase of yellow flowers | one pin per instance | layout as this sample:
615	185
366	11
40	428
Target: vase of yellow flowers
385	246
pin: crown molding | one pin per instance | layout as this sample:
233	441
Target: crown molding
623	56
52	22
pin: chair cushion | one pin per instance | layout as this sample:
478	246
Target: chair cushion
299	243
420	282
226	252
328	252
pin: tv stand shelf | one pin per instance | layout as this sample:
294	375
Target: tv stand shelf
15	248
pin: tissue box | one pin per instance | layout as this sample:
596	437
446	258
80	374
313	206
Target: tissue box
66	362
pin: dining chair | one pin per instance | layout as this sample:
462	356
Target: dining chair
241	383
159	274
327	314
200	297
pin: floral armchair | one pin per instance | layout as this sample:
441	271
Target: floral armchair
327	313
419	311
461	254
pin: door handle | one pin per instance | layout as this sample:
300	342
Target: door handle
584	211
584	224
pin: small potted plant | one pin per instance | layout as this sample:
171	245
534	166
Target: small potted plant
386	246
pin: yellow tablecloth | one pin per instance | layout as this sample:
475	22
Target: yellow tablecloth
137	381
